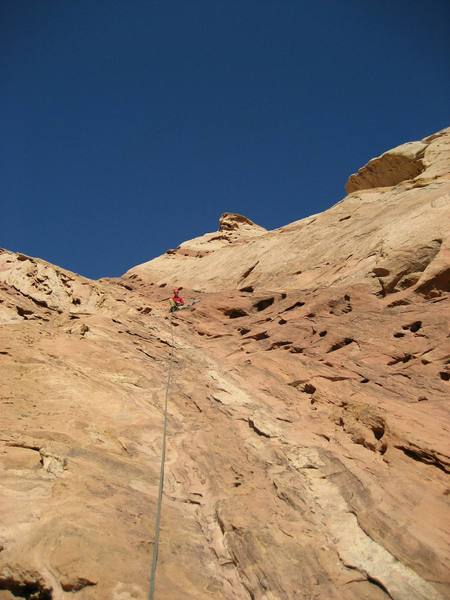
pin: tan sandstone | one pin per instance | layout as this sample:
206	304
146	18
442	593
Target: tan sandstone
308	441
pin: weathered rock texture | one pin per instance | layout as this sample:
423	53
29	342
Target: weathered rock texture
308	445
384	237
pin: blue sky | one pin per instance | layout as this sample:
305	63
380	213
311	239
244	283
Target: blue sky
129	127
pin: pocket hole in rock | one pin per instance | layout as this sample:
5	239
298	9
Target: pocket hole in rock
263	304
262	335
397	359
309	388
235	313
296	305
341	344
23	312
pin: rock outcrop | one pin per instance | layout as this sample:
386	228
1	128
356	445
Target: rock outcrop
308	442
415	161
385	237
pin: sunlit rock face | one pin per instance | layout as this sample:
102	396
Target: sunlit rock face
385	236
308	442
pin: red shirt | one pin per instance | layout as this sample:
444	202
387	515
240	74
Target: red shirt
178	299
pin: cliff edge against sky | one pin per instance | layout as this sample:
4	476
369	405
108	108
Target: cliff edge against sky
308	443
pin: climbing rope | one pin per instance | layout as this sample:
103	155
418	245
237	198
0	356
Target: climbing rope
161	473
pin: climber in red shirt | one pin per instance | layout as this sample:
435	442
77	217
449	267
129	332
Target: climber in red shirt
177	301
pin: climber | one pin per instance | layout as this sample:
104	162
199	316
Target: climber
177	301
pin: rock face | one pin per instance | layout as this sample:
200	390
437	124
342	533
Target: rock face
416	161
385	237
308	440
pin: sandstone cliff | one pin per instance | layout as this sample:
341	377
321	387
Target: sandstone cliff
308	443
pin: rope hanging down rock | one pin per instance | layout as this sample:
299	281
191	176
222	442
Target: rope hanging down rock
161	474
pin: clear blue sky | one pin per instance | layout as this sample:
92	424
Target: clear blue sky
128	127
